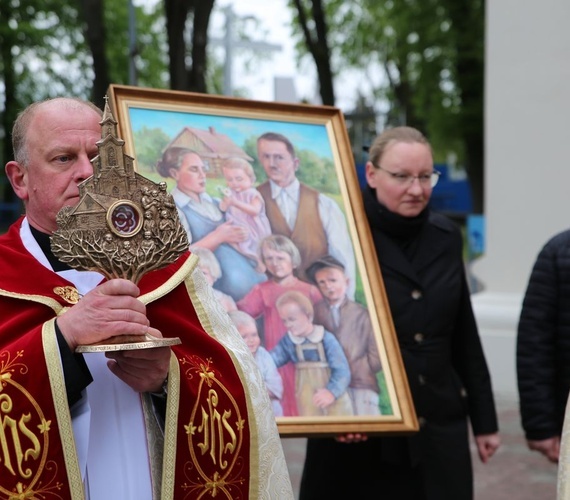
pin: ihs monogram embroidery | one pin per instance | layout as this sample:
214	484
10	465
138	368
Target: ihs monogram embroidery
25	471
215	429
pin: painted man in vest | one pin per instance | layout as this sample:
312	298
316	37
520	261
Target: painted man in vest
313	221
160	423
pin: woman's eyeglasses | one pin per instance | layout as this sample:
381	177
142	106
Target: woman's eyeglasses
408	179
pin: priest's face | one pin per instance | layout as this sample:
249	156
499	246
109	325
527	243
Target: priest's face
60	142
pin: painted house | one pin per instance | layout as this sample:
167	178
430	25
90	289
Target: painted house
212	146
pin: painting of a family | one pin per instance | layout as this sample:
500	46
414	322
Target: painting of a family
279	256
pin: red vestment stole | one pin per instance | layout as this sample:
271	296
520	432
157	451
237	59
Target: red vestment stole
208	432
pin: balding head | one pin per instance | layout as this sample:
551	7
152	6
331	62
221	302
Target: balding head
25	117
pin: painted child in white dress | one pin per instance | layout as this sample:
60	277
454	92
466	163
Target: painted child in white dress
243	205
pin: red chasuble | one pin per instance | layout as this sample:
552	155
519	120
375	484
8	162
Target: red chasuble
213	437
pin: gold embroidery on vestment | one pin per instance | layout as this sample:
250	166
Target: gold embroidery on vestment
24	437
215	430
68	293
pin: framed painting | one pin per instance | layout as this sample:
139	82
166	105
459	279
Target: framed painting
269	195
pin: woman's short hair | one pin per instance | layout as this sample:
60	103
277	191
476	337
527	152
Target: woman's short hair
172	159
392	135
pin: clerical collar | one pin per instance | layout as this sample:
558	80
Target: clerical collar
44	242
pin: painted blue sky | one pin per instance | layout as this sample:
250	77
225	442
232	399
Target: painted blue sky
303	135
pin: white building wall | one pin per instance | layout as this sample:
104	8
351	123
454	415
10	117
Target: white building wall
527	162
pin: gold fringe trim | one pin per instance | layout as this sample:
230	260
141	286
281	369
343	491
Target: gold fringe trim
170	428
57	383
41	299
177	278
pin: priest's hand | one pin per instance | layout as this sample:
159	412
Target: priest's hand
144	370
110	309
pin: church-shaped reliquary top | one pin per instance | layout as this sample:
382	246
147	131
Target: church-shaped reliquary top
124	224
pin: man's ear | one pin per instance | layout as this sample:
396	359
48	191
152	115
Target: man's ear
18	176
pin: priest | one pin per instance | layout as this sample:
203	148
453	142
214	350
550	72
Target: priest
188	421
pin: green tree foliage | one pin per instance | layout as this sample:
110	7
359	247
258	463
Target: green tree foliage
149	52
421	58
44	51
250	147
108	27
317	172
41	55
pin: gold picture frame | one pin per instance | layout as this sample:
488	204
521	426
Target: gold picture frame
217	127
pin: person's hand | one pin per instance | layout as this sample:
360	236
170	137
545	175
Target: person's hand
142	369
352	438
231	233
227	202
109	310
550	447
228	199
323	398
487	445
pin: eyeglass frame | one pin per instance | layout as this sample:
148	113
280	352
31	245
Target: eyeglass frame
408	179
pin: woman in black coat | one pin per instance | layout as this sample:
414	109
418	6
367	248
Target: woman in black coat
420	257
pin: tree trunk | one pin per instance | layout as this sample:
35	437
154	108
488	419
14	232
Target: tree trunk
176	12
93	15
197	73
317	45
467	17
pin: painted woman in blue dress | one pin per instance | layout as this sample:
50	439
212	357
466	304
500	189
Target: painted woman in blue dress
205	222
